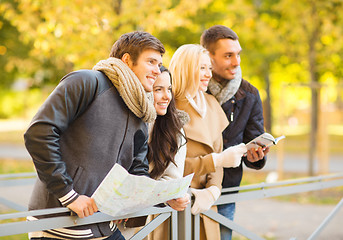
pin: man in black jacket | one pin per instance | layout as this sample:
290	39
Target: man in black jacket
92	120
240	101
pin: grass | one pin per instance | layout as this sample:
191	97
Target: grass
8	166
325	196
300	143
12	137
15	237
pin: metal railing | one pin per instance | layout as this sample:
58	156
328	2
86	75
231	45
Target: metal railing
184	225
266	190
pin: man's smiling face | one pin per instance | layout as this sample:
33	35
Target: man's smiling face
226	58
147	68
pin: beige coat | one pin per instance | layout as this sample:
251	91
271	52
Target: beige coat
204	136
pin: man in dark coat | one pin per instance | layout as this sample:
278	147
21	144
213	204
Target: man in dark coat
92	120
240	101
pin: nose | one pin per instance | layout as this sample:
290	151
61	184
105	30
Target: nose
167	95
208	73
157	70
236	61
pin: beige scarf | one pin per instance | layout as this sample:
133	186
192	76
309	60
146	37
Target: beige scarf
129	87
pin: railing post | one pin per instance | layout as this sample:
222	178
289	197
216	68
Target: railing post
173	223
185	224
196	226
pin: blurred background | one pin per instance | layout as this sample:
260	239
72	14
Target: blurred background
292	52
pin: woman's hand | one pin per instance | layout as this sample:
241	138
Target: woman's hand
180	204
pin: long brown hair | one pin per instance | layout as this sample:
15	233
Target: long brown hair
164	138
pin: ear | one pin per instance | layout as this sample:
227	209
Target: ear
126	58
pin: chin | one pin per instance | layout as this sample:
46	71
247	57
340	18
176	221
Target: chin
161	113
230	76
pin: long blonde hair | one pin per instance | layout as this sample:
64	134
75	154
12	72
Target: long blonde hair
185	69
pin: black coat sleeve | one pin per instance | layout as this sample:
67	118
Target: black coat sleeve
68	101
140	164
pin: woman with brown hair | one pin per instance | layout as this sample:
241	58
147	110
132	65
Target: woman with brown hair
167	150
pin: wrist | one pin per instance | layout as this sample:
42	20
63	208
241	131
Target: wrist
215	192
216	160
69	198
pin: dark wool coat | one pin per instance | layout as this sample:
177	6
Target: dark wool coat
78	134
247	123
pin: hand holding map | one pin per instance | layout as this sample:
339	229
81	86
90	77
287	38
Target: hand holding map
121	193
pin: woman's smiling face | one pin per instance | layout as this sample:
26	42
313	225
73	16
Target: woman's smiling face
162	93
205	72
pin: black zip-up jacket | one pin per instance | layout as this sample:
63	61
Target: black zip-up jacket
245	113
78	134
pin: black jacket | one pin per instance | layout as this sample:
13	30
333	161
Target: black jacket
245	114
78	134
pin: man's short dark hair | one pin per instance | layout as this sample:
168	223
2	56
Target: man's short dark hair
210	36
134	43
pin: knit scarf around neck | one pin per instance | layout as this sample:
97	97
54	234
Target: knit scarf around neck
129	87
225	93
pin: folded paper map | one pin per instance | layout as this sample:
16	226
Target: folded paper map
121	193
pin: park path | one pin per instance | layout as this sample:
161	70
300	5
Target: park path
280	220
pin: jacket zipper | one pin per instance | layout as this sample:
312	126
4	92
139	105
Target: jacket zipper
232	109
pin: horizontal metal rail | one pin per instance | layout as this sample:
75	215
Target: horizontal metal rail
263	190
21	226
283	183
266	190
181	222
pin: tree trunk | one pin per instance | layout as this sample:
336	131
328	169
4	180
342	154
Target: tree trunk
267	106
313	38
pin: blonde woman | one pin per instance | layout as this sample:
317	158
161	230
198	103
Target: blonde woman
191	68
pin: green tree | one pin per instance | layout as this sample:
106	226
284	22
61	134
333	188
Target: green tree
314	30
12	49
66	35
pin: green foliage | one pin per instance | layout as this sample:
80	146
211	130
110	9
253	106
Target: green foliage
19	103
61	36
11	49
283	41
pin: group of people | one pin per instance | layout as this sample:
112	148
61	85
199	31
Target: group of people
164	124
